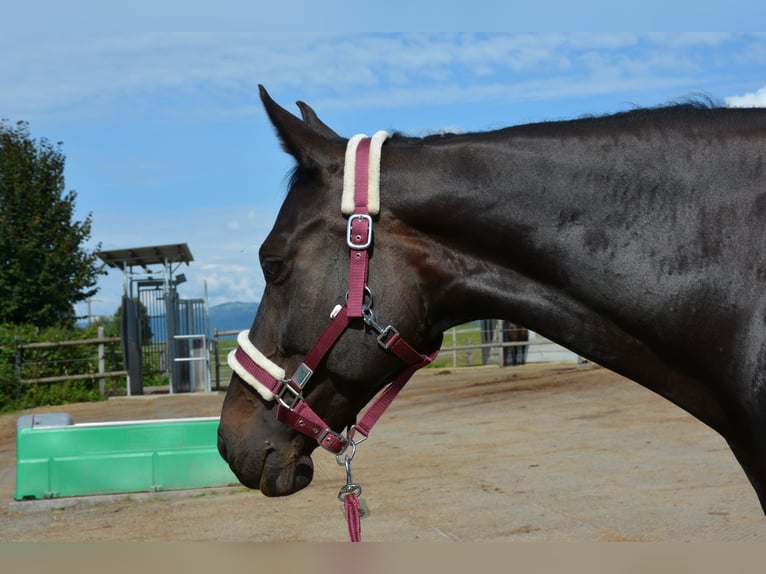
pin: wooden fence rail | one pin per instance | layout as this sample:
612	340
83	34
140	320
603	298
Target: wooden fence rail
101	374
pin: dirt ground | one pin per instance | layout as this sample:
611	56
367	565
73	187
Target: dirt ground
543	452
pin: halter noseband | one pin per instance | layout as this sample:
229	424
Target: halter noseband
360	202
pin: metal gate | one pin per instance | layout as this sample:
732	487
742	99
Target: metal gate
174	340
162	334
152	328
191	346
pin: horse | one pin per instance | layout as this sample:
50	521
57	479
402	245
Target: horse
634	239
513	333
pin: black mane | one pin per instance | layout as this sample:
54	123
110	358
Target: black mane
688	108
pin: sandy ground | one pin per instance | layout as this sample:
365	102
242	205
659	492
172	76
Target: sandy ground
549	452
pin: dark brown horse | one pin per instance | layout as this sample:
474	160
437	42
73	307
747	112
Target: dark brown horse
636	240
513	333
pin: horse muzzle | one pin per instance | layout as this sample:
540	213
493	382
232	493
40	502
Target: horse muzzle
263	453
273	471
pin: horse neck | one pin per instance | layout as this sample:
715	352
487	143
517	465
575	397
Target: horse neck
485	210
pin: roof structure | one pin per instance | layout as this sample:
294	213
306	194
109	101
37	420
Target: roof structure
145	256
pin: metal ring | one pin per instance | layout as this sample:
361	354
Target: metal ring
349	489
352	433
348	457
368	294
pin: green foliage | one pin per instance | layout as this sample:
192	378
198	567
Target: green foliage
467	334
111	326
48	362
44	269
9	336
62	393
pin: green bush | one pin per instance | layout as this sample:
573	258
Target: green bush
48	362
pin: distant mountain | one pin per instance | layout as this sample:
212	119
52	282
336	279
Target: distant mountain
232	316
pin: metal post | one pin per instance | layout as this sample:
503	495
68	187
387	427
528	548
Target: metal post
217	360
101	369
500	348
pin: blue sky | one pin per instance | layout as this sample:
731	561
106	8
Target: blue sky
166	141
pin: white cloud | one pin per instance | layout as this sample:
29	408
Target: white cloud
229	282
755	99
214	70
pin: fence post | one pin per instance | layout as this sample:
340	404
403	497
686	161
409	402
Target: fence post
217	362
454	344
17	368
101	362
501	348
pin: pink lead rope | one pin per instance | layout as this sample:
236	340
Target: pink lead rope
360	204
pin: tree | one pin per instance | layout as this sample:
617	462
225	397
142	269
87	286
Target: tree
44	268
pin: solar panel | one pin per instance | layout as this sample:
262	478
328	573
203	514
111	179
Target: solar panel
145	256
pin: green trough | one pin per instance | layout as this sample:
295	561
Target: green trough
57	458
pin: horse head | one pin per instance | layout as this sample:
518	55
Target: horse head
305	263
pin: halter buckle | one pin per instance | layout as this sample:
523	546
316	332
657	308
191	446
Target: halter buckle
358	242
296	395
329	432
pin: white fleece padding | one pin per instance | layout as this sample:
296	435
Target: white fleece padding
349	173
259	359
373	174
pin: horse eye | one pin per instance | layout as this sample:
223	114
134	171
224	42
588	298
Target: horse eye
272	267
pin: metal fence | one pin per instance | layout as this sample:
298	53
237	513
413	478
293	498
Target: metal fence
223	343
462	347
537	349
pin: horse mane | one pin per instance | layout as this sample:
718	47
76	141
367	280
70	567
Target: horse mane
685	108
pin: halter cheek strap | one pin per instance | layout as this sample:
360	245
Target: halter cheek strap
360	201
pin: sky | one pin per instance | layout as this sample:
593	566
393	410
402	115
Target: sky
166	141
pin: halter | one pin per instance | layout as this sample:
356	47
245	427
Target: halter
360	203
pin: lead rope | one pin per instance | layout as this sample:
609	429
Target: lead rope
354	507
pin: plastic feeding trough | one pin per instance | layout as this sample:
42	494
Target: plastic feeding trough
57	458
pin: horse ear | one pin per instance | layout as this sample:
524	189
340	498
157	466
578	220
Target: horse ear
311	118
308	140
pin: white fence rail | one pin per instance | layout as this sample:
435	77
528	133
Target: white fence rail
539	349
